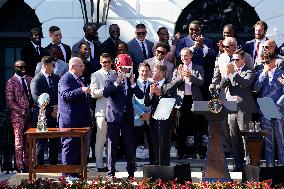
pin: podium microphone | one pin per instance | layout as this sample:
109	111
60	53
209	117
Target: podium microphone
211	88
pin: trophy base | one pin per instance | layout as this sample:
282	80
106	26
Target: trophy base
41	131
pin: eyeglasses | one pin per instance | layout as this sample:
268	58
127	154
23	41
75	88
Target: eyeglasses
105	62
227	46
235	59
161	52
20	67
141	33
265	61
267	47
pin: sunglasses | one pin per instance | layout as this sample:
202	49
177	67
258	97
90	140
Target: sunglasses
105	62
265	61
235	59
225	46
20	67
141	33
161	52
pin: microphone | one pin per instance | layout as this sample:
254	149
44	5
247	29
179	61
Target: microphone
218	89
211	88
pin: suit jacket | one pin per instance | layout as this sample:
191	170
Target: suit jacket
95	63
67	50
97	87
16	98
118	103
196	79
273	89
136	53
61	68
170	66
168	90
40	85
238	87
108	46
31	57
73	106
139	106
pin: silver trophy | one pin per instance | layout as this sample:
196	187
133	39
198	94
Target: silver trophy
43	101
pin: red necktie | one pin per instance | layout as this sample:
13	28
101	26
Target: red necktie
256	51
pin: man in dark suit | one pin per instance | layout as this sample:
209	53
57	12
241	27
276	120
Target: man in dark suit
139	48
119	89
237	84
46	82
255	46
160	129
73	109
193	78
32	52
110	45
56	36
91	36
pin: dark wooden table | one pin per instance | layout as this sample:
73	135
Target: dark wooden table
33	135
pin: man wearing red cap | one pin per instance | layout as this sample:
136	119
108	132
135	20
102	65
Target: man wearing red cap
119	89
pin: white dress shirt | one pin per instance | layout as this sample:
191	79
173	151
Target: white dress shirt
187	83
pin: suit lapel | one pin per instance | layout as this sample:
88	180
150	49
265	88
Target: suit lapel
137	46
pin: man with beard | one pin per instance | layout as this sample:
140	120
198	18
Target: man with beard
19	100
32	52
110	45
84	54
255	46
91	36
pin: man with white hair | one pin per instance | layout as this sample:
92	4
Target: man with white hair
73	109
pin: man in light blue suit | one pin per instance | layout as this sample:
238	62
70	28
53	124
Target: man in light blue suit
61	67
73	110
139	48
268	85
141	112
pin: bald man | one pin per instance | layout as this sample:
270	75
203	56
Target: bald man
270	45
73	109
19	100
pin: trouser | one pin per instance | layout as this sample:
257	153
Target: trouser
125	126
100	140
53	144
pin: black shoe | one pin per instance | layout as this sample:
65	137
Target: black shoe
104	169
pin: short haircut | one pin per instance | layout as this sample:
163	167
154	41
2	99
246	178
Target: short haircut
47	60
92	24
187	49
196	22
140	26
161	67
163	45
112	25
84	43
145	64
161	28
267	55
53	29
261	23
104	55
35	31
231	40
240	52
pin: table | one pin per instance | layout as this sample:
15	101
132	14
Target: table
32	135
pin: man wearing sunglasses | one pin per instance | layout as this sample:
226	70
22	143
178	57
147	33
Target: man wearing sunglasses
46	82
270	45
139	48
237	83
160	53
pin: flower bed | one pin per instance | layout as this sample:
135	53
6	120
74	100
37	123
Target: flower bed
145	183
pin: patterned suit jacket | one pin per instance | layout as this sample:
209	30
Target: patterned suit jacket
16	98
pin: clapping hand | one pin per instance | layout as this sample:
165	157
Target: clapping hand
120	78
230	69
199	41
281	79
154	88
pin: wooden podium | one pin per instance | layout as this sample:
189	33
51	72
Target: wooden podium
215	165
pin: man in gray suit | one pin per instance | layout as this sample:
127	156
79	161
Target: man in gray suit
237	83
139	48
193	78
160	53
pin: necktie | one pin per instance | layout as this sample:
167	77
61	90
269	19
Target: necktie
145	86
79	80
50	81
25	88
37	49
144	50
256	51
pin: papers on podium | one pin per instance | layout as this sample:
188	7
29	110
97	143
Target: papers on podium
164	108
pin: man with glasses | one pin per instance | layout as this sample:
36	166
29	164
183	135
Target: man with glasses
97	87
46	82
20	103
268	84
270	45
160	53
110	45
139	48
73	110
237	83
